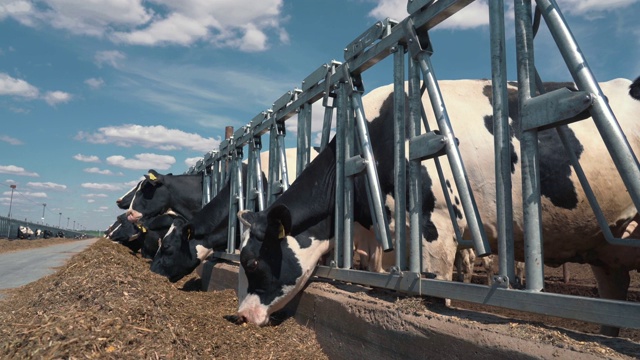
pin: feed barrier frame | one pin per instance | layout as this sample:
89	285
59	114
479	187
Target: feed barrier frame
339	85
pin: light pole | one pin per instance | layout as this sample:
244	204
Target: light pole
74	225
43	206
13	187
67	222
59	218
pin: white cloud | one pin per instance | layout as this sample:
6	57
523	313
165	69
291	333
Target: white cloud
592	8
87	158
476	14
39	195
102	186
94	83
10	140
90	201
143	161
94	195
110	57
241	24
191	161
47	185
57	97
158	137
16	170
95	170
17	87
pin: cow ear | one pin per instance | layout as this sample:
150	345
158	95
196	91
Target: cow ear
280	216
153	177
246	217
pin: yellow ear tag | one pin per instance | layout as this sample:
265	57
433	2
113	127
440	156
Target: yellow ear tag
152	177
281	235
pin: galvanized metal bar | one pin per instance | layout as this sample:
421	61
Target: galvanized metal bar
532	211
274	166
372	173
256	148
341	122
206	186
349	192
415	189
606	122
303	157
253	174
501	142
284	171
400	167
603	311
474	223
234	200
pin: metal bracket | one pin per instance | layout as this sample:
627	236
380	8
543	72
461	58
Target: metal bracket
354	165
427	146
376	32
557	107
417	43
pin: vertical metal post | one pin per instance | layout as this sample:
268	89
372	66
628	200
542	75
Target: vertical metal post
349	192
341	122
215	185
501	143
529	151
236	201
252	175
415	191
453	155
377	202
206	185
400	168
283	155
257	146
612	135
304	138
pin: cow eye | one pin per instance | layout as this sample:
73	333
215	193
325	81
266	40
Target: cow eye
251	265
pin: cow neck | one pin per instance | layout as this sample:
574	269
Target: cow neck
311	197
189	188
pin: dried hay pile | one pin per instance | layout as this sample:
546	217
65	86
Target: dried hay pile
105	303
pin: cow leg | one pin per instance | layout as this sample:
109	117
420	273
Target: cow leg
465	259
487	265
613	283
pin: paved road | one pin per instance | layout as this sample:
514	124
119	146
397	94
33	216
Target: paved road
22	267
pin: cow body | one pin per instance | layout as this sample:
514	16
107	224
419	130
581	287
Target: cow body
570	231
25	232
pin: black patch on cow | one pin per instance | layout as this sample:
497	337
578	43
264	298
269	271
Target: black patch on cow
456	200
555	166
634	89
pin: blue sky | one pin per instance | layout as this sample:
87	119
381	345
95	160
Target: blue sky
95	93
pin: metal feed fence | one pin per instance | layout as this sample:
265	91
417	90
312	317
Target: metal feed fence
339	85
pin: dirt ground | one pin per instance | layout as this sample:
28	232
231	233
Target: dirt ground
15	245
105	303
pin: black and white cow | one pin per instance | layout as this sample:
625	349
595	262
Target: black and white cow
190	241
124	202
570	231
143	236
285	242
25	232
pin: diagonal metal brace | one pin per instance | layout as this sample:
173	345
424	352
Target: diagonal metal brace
558	107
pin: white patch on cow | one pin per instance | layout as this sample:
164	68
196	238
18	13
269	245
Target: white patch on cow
114	230
203	252
135	188
253	311
250	307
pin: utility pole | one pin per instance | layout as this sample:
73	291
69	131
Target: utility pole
13	187
59	218
43	206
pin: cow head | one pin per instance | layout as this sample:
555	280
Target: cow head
275	266
177	256
150	197
124	201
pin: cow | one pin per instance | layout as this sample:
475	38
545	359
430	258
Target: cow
570	231
25	232
190	241
47	234
285	241
143	237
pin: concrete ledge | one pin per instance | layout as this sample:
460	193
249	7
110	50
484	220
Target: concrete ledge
356	322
